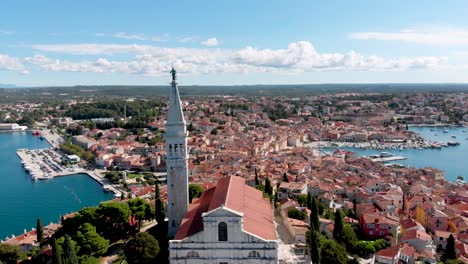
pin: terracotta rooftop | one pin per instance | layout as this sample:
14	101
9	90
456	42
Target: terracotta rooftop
234	194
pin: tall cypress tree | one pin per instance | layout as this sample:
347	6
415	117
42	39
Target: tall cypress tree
285	177
39	231
309	201
160	214
314	215
56	252
69	256
257	181
338	227
268	188
314	246
450	252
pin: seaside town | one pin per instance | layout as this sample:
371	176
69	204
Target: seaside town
375	211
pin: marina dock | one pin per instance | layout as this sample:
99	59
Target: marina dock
44	164
387	159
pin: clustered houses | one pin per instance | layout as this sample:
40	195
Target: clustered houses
233	136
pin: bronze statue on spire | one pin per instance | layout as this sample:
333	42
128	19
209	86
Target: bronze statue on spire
173	72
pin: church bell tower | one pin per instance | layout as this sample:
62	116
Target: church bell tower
176	162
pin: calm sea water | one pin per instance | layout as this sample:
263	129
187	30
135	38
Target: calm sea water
452	160
24	200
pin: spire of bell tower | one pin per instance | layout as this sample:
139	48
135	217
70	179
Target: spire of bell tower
175	114
176	160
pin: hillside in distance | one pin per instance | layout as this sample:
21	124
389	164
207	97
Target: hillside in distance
39	94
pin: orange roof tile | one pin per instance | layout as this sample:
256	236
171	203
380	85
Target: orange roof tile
233	193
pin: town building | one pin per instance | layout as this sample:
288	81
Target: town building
230	223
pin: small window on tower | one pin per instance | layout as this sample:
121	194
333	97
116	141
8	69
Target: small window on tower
175	147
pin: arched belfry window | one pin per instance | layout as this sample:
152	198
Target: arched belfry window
254	254
222	232
193	254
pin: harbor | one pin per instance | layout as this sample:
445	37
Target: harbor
47	163
45	199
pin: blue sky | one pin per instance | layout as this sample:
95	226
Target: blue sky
232	42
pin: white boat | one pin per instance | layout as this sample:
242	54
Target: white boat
385	154
445	131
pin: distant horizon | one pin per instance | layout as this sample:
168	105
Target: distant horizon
13	86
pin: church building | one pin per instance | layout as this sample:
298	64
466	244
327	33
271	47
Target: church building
230	223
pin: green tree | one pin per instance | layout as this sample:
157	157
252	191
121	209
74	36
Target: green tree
257	181
314	215
142	249
9	254
90	241
141	209
268	188
69	254
159	211
113	220
297	214
364	248
302	199
332	253
309	201
450	252
349	237
89	260
314	246
39	231
285	177
195	191
190	127
56	252
338	226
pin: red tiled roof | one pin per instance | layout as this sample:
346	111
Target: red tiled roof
234	194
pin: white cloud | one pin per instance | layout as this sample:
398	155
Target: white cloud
125	35
211	42
5	32
153	60
302	56
186	39
8	63
428	36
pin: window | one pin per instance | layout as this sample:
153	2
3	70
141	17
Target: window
222	232
193	254
370	225
371	233
254	254
381	233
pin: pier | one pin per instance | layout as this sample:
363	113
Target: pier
387	159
